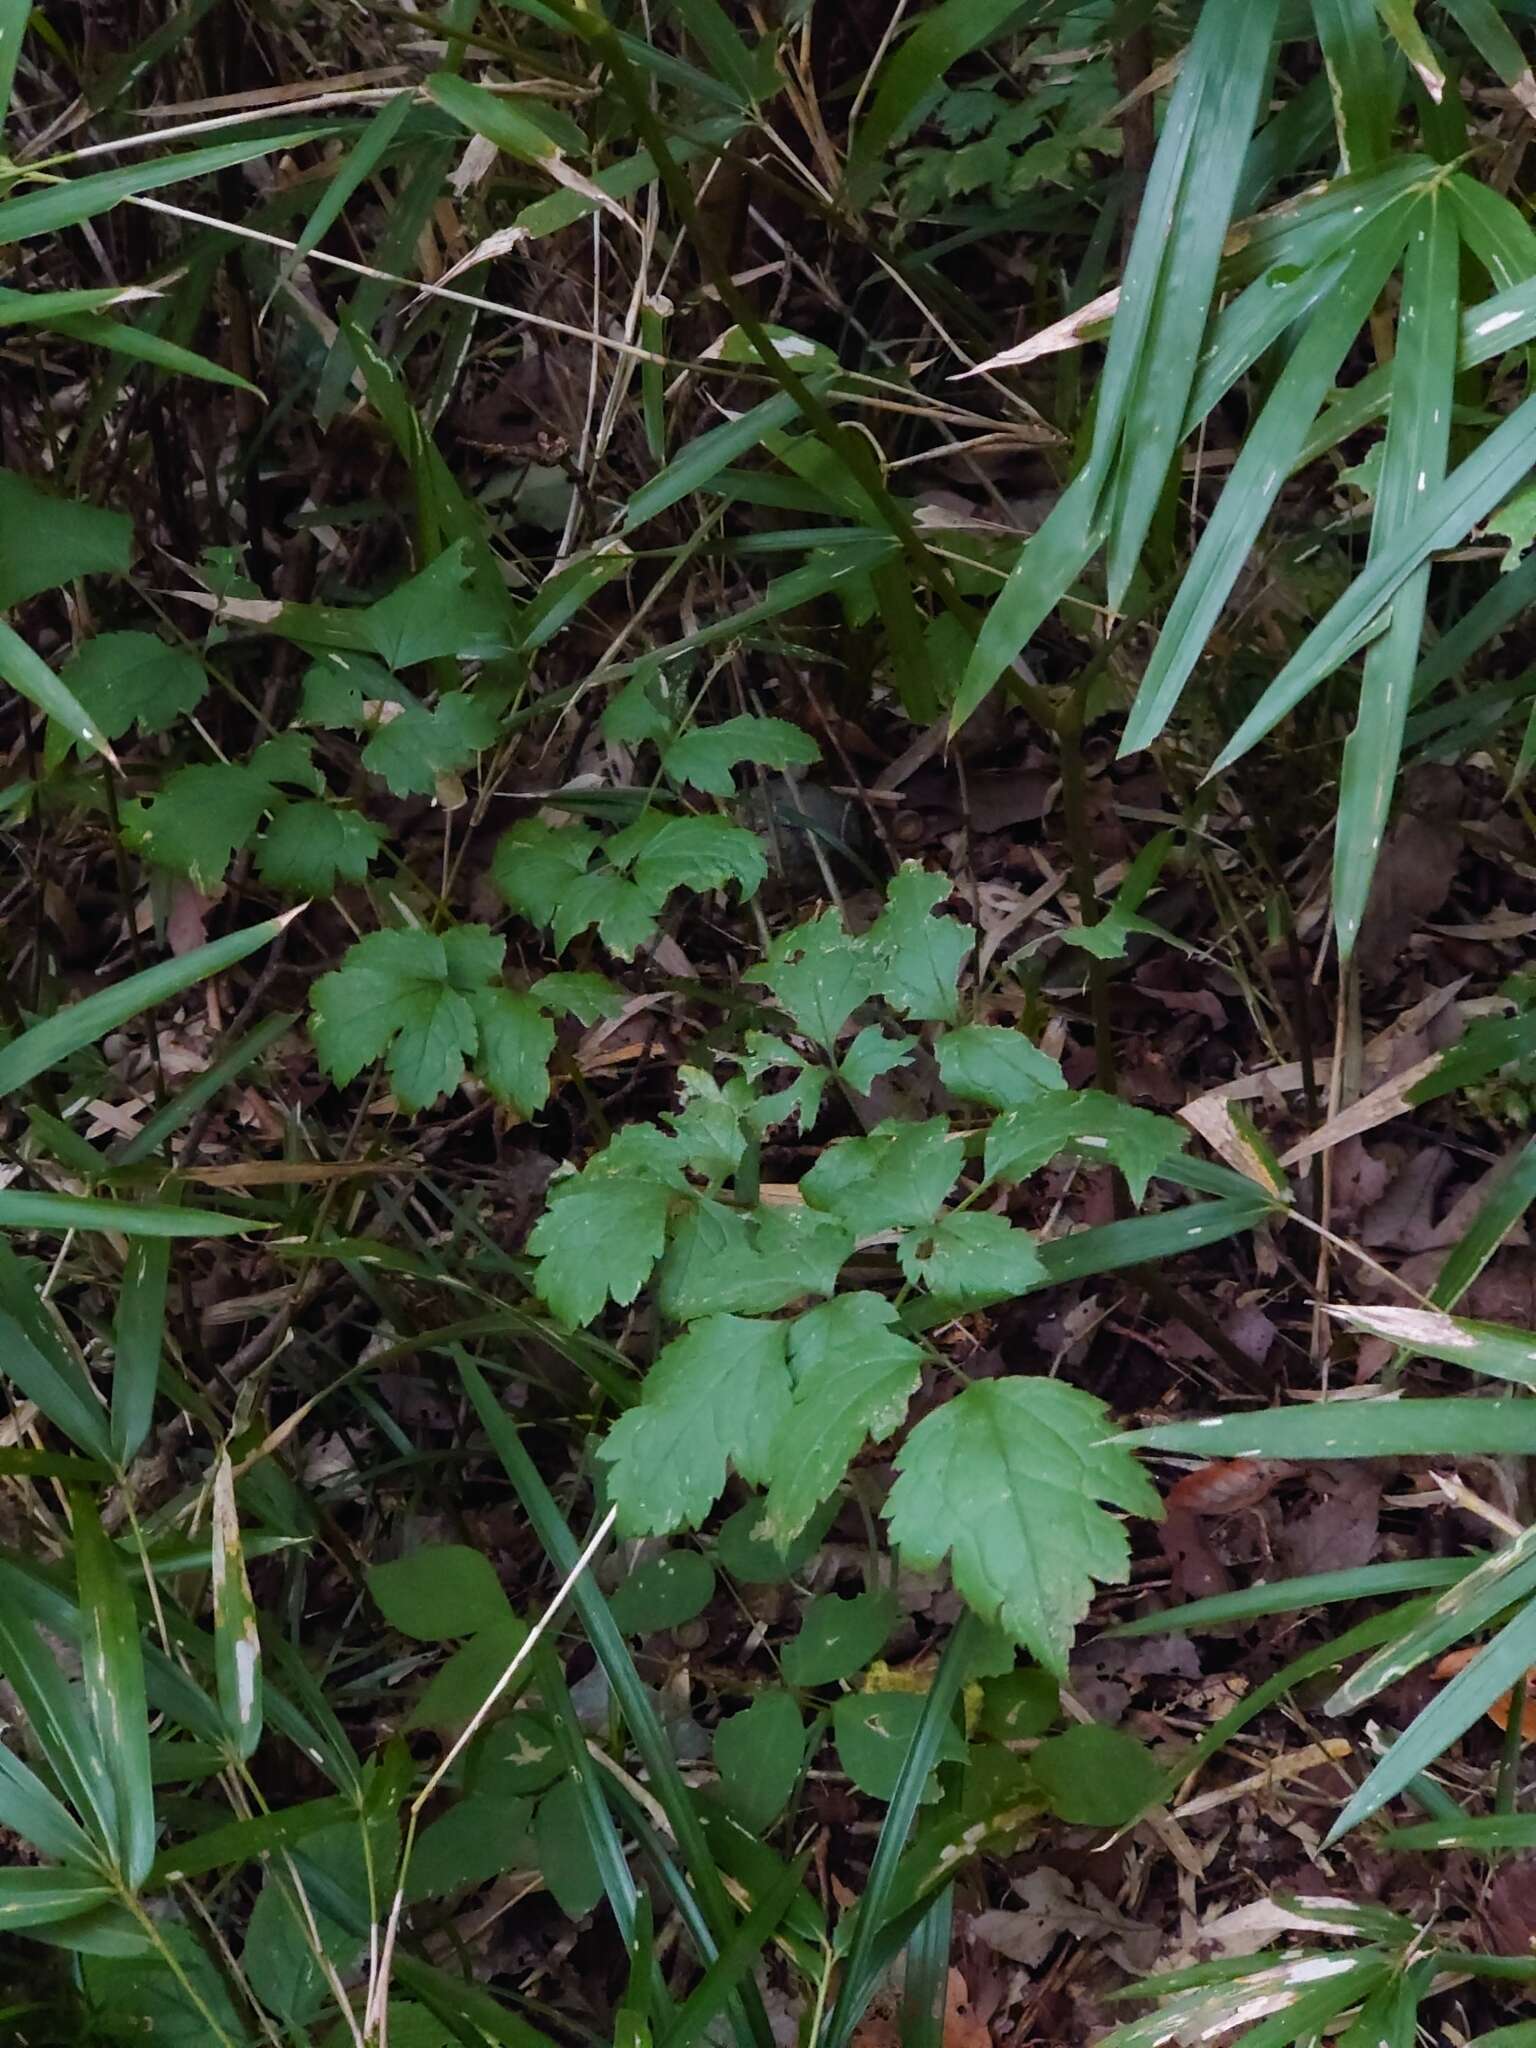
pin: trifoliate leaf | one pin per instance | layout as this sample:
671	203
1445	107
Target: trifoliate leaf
405	993
1100	1127
535	864
871	1055
1096	1777
919	955
819	974
625	913
839	1637
750	1265
586	997
715	1397
439	611
972	1258
874	1732
127	678
664	1592
516	1040
758	1754
412	746
992	1064
310	846
706	756
200	819
604	1227
852	1377
666	853
1006	1479
899	1174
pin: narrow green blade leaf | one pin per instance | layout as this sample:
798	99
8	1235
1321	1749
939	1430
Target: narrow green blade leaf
113	1670
1497	1349
14	16
1354	57
1268	453
1488	1834
240	1841
43	1898
236	1643
31	677
1288	1596
360	162
1356	1429
1469	494
1464	1700
22	1210
1413	464
139	1334
69	1030
28	1807
711	452
70	201
57	1720
38	1363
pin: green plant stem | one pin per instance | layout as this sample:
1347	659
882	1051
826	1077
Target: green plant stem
1509	1757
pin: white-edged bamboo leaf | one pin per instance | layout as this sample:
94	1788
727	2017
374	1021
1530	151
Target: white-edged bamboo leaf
1412	466
1376	1428
69	201
113	1671
21	1209
1403	27
78	1025
1356	277
1449	1715
41	1898
1354	59
30	1809
31	677
1497	1349
236	1642
1498	1582
58	1722
1186	276
1494	229
1471	491
37	1361
138	1333
705	456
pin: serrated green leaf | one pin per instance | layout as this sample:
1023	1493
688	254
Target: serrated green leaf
852	1376
535	864
516	1040
586	997
971	1258
899	1174
819	974
439	611
722	1261
624	1213
624	912
706	756
201	818
992	1064
1099	1127
918	955
1006	1479
417	744
871	1055
667	853
127	678
714	1398
309	847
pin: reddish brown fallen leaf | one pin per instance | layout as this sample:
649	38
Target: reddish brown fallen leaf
1498	1713
1222	1489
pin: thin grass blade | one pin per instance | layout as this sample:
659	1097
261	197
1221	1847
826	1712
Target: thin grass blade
1413	464
1354	60
113	1672
1356	1429
139	1333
